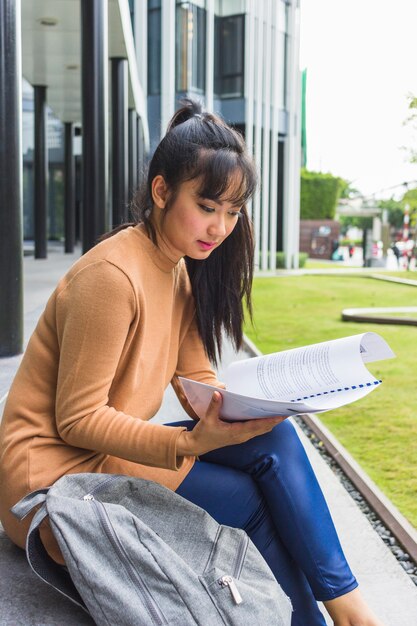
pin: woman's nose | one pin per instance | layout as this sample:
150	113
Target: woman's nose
218	226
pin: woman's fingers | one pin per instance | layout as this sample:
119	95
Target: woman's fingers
250	426
211	432
213	410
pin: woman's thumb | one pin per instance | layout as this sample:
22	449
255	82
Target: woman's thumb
215	404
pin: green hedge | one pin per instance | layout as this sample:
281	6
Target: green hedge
350	242
302	258
319	195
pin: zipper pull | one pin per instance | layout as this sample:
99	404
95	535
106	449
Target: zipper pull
227	581
89	496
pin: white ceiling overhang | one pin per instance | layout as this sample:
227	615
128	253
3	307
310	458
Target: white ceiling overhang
51	54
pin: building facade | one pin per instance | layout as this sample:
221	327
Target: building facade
98	80
240	58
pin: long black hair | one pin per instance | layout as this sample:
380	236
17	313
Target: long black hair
200	146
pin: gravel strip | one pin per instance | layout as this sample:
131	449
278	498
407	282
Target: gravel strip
387	537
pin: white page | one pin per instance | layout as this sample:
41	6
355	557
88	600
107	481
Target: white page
330	375
239	407
303	372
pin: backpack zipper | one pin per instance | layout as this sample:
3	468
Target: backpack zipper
241	556
99	487
229	581
151	606
224	581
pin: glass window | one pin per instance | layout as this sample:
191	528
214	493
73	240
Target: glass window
55	151
154	49
229	56
181	48
198	75
229	7
132	14
190	47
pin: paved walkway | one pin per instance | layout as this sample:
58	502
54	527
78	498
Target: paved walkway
27	602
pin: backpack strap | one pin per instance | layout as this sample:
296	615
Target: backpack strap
26	504
55	575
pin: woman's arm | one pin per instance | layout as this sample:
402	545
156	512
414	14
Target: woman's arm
193	363
211	432
93	317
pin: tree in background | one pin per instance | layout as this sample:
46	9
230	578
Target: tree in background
395	210
319	195
349	221
411	121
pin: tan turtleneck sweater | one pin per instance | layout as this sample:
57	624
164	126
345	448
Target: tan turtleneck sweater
117	330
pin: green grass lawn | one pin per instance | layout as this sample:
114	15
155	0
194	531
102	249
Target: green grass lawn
406	274
314	264
380	431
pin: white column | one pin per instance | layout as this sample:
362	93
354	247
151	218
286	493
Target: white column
266	136
273	174
209	54
167	62
258	61
249	72
249	78
292	164
141	42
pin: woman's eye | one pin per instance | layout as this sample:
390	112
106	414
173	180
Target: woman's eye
206	209
235	213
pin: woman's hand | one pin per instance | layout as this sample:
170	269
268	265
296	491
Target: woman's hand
211	432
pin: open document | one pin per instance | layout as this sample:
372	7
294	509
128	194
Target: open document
311	379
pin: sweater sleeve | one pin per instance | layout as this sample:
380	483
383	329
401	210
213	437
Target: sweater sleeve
94	313
193	363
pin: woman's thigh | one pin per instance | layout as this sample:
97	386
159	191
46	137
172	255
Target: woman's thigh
278	464
233	498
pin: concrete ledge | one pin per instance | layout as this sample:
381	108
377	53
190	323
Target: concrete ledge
378	501
378	315
26	600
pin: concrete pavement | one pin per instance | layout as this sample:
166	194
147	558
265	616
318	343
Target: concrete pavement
27	601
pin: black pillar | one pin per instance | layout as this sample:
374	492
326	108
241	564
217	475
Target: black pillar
40	167
119	140
94	98
11	248
133	153
140	150
69	209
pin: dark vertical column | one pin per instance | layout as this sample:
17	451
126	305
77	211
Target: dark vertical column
11	247
69	208
119	141
78	189
94	98
40	168
141	150
280	196
133	153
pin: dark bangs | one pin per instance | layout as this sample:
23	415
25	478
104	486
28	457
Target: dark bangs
224	176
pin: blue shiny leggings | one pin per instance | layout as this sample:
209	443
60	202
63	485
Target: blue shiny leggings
267	487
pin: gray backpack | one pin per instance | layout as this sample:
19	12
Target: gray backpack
139	554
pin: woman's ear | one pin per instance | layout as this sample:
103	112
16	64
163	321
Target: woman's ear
159	191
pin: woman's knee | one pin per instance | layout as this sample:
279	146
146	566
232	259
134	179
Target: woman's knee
229	495
283	434
282	445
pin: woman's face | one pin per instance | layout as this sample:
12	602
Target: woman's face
194	226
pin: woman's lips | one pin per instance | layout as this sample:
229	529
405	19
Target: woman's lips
206	245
